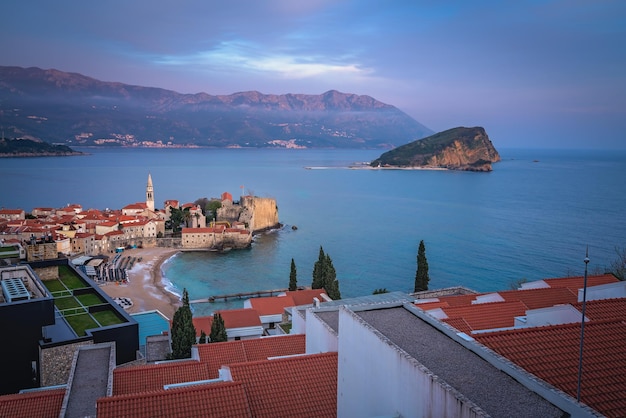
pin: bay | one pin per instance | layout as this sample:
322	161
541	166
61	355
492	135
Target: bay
532	217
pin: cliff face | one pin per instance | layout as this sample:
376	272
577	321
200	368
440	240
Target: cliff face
460	148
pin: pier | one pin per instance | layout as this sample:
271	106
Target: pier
243	295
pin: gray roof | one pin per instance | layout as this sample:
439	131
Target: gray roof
329	311
495	392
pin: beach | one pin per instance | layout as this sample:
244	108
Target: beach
145	288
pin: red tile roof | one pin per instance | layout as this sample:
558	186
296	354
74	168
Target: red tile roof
202	323
274	305
487	315
155	376
575	283
425	306
227	400
305	296
41	404
598	310
541	298
240	318
302	386
218	354
551	353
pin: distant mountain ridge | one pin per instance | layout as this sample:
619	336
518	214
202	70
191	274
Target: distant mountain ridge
70	108
467	149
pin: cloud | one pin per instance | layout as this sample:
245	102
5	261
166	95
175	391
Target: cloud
240	56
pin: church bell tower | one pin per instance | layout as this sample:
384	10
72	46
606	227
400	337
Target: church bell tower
150	194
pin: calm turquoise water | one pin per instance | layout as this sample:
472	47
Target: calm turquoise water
532	217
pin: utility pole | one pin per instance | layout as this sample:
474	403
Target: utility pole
582	328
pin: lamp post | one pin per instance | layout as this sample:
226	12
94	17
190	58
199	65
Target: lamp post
582	328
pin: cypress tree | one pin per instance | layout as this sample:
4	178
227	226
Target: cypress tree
421	275
318	271
202	339
183	331
331	284
293	280
218	329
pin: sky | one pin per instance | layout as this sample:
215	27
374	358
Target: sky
548	74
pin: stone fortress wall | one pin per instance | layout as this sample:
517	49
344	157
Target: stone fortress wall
260	213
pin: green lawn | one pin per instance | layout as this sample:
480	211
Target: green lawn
69	278
66	302
54	285
107	318
80	323
89	299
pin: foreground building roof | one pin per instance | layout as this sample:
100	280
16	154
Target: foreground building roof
218	400
215	355
552	354
41	404
301	386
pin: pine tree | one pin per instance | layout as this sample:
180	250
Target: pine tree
183	331
202	339
293	279
218	329
421	275
318	271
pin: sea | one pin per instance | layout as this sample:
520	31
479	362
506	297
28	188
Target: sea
534	216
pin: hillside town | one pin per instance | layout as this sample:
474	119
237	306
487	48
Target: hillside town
549	348
94	232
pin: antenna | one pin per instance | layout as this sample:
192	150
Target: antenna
582	328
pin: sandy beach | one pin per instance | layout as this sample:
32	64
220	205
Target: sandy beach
144	287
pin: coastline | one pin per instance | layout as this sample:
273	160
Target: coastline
145	287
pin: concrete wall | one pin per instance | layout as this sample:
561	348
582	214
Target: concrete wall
366	358
323	338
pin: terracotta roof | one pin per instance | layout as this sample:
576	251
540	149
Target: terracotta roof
154	376
227	399
41	404
487	315
271	305
551	353
11	211
302	386
575	283
458	300
432	305
597	310
283	345
217	355
541	298
305	296
202	323
240	318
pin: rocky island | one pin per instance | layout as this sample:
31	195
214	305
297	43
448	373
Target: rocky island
466	149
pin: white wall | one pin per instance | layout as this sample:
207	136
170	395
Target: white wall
298	323
320	338
367	360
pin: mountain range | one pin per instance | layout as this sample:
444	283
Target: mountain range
72	109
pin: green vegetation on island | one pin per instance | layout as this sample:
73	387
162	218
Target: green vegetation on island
459	148
30	148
